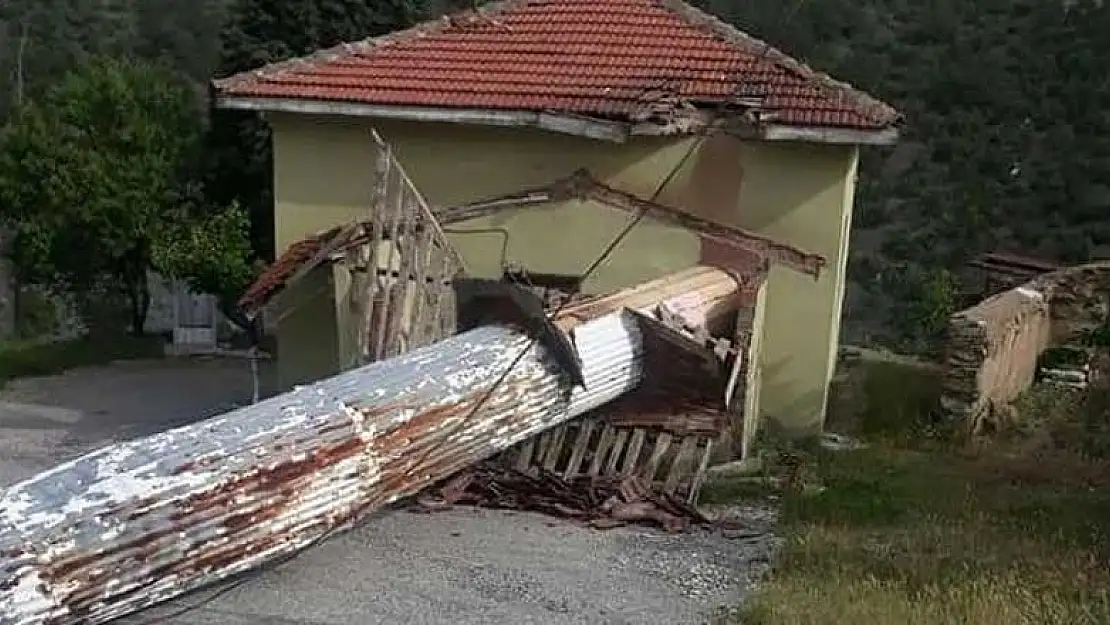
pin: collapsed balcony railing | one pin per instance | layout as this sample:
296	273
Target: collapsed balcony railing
143	521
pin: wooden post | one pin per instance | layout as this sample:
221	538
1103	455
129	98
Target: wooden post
369	252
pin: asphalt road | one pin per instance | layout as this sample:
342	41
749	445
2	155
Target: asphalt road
460	566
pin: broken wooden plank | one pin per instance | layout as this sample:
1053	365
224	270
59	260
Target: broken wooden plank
396	206
700	473
632	455
554	449
524	454
376	226
662	444
615	452
603	443
581	445
683	459
426	250
603	502
405	245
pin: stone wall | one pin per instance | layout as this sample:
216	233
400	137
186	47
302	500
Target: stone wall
1079	300
992	352
993	347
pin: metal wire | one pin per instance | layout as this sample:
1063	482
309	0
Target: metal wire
504	232
709	130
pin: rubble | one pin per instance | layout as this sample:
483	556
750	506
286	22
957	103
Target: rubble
602	502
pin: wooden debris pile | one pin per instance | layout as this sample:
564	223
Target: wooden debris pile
601	502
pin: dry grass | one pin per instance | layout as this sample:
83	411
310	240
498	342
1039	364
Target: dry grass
919	531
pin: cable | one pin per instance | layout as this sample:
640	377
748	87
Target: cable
504	232
246	575
710	129
243	577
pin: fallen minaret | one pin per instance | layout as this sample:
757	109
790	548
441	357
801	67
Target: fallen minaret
140	522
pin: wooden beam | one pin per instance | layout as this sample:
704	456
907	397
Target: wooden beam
581	185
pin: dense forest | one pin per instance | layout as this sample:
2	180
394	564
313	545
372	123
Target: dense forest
111	163
1007	105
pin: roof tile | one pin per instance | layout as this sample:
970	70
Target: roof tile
606	58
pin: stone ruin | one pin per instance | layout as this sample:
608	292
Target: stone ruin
998	348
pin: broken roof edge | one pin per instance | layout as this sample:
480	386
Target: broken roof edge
303	256
293	264
553	121
883	113
817	134
582	185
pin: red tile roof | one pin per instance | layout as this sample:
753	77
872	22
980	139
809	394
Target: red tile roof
614	59
277	275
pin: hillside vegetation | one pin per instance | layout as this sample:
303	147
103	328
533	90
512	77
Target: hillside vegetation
1006	106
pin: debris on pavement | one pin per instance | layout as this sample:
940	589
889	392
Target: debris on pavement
601	502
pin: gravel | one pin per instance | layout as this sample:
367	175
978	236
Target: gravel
458	566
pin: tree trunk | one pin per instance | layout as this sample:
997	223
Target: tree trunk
9	286
139	322
138	297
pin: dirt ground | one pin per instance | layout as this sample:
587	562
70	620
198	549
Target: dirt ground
459	566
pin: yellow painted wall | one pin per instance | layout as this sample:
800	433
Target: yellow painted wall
800	194
323	176
308	342
566	239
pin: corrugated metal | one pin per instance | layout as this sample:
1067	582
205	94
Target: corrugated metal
140	522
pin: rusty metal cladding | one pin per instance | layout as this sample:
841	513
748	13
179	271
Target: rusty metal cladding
143	521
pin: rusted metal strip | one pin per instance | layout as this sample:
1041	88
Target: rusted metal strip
140	522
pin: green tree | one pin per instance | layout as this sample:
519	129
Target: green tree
1004	144
211	252
91	177
45	39
259	32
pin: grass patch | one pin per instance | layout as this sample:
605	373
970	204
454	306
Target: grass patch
725	490
27	359
919	530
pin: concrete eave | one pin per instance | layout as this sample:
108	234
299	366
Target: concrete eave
565	123
826	135
592	128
